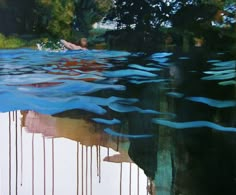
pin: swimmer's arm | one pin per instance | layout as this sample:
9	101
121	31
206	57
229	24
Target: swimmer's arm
69	45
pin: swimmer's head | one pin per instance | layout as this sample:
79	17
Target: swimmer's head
83	42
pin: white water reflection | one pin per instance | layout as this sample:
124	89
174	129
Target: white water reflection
47	165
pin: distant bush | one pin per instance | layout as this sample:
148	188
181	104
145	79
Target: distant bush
11	42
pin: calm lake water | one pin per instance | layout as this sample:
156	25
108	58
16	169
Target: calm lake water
112	122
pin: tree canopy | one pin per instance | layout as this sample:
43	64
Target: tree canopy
58	18
61	18
151	14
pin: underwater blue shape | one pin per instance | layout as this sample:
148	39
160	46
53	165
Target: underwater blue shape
184	58
121	59
116	134
166	64
175	94
152	64
213	102
106	122
213	61
107	101
219	72
139	78
193	124
128	73
122	108
225	63
161	55
137	66
162	61
220	76
125	108
230	82
148	81
232	66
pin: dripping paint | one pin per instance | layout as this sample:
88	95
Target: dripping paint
38	148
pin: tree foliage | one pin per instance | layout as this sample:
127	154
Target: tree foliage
61	17
151	14
55	17
143	14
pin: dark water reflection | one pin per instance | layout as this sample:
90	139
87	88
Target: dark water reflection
106	122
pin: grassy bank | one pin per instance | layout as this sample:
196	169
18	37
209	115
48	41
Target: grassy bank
95	38
14	42
11	42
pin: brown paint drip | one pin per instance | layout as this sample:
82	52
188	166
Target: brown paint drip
9	153
120	178
53	166
108	152
118	143
147	186
138	182
97	160
77	168
151	186
82	170
86	170
44	166
130	178
33	164
99	151
21	156
91	171
16	142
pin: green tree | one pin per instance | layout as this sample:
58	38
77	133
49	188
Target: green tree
143	14
146	14
61	18
56	17
88	12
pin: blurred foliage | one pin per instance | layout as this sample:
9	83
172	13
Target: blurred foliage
87	13
96	37
143	14
70	18
104	6
152	14
73	19
3	3
11	42
56	17
143	20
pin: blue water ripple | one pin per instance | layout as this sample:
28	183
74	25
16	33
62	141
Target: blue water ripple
116	134
213	102
128	73
106	121
193	124
137	66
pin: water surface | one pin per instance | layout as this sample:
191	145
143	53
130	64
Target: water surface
112	122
